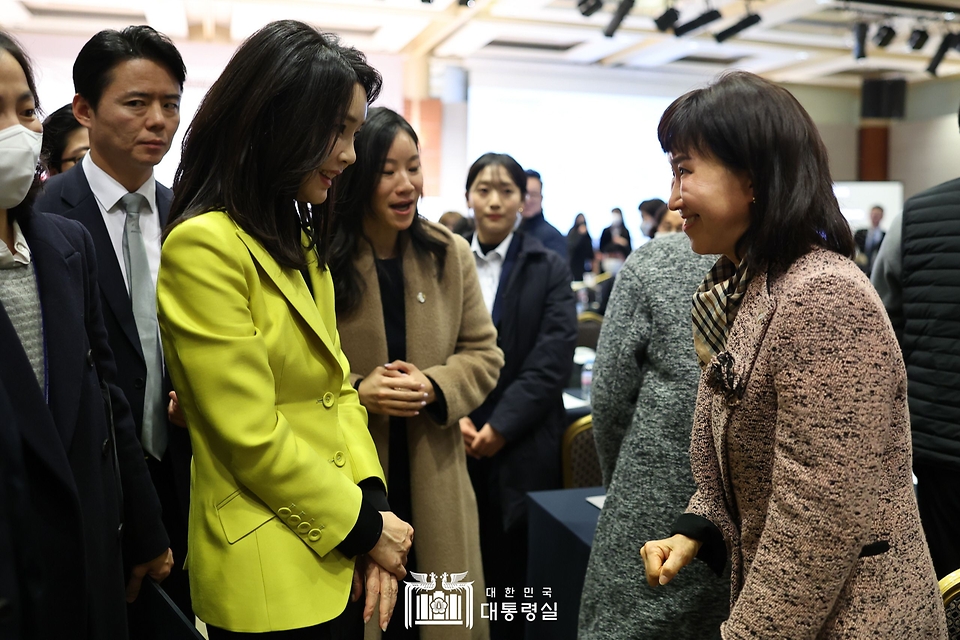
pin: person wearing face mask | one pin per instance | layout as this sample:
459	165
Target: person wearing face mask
616	233
513	438
648	217
408	295
90	494
612	257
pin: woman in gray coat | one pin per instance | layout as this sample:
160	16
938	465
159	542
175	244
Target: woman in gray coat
644	391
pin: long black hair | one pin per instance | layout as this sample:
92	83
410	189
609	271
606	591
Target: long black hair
752	125
357	186
269	121
21	212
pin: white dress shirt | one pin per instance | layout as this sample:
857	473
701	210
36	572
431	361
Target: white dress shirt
108	192
21	252
489	268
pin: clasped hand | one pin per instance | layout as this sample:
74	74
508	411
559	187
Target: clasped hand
379	570
484	443
396	389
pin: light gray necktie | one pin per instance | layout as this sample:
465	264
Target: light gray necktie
143	296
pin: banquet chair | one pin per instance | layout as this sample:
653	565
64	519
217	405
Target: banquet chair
581	465
950	589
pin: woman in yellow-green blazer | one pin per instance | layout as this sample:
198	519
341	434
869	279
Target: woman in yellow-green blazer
287	489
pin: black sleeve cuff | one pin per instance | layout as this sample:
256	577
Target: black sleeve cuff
375	493
713	551
365	533
356	385
437	410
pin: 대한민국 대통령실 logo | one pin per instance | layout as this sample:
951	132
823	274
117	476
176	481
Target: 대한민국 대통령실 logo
425	604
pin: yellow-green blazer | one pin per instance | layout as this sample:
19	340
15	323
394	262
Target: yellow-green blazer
280	440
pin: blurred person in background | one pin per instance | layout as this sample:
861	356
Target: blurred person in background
580	248
451	219
617	232
612	258
65	141
532	221
408	295
648	217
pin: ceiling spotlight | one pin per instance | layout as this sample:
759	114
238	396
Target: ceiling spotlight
746	23
884	36
949	40
710	16
622	10
466	3
667	20
589	7
860	40
918	39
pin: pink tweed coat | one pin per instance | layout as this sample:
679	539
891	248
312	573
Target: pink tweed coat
802	457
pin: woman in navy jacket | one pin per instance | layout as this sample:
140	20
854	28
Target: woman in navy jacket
514	437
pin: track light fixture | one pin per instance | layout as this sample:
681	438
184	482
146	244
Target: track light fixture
589	7
622	10
667	20
884	36
466	3
949	40
750	20
860	40
706	18
918	39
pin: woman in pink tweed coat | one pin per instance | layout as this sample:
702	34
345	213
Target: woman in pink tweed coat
801	438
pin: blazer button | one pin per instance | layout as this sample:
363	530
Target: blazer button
339	459
293	520
328	399
283	512
138	383
106	447
314	535
89	357
303	528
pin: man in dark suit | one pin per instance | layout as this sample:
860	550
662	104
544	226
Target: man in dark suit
532	221
128	85
869	240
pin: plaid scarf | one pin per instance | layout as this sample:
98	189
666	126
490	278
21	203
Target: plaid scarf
715	305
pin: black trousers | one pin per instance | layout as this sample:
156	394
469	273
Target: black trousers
347	626
938	496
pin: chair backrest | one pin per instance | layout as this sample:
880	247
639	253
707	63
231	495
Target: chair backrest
950	589
588	329
581	465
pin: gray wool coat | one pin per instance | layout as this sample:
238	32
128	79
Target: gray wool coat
801	453
644	391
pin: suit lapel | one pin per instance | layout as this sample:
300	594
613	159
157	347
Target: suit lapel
743	344
33	418
60	281
85	210
294	289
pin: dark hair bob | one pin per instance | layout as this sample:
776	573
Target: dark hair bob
752	125
269	121
56	130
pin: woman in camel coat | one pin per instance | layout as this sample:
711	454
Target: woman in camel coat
408	295
801	446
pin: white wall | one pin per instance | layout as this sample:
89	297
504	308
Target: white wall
924	153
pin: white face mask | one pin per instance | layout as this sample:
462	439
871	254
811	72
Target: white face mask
646	226
19	154
611	265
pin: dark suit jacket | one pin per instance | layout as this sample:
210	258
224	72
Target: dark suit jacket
68	448
69	195
536	319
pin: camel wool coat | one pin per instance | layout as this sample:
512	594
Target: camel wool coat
451	338
801	454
